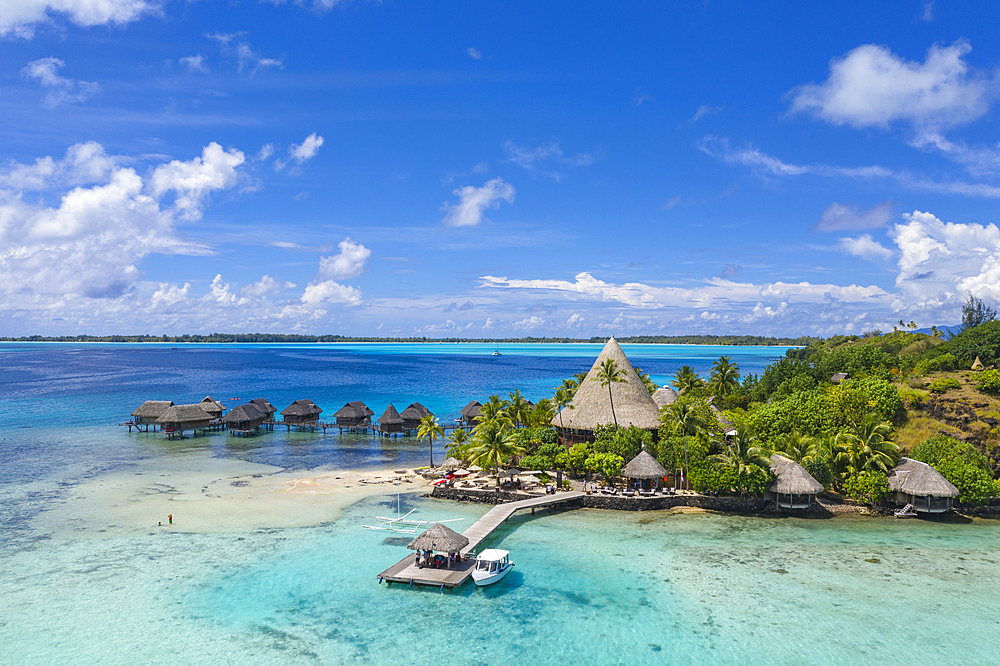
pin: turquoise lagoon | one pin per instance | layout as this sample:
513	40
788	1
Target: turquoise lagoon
590	587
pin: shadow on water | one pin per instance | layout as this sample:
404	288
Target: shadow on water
509	584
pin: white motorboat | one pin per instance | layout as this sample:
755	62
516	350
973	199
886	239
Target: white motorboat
491	566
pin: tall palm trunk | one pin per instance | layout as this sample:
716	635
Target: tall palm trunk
612	401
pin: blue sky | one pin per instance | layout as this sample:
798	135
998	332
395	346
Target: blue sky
495	169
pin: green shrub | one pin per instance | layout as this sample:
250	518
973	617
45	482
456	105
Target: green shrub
867	487
912	398
975	485
942	384
988	381
819	469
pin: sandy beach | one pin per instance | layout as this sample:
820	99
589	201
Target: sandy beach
205	494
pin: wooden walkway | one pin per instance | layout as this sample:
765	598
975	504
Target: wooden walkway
406	570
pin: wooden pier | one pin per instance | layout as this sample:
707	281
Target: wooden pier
406	570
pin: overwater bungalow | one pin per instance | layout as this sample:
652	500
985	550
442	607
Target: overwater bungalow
794	487
664	396
265	406
354	413
411	416
591	405
149	411
470	413
213	407
390	421
302	411
179	418
645	469
919	484
244	419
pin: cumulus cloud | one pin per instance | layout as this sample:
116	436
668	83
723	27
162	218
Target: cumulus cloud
194	180
838	217
348	263
169	295
299	153
84	163
532	323
865	247
473	202
537	160
265	286
19	17
873	87
61	90
329	291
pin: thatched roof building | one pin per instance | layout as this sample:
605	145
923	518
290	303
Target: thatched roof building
441	539
179	418
450	464
919	484
794	487
244	417
213	407
664	396
977	364
301	411
265	406
591	405
354	414
151	410
839	377
411	415
390	421
470	413
645	468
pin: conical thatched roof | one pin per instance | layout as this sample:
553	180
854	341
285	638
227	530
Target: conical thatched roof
152	409
212	406
977	364
185	414
450	463
264	406
441	539
415	412
247	413
471	410
920	479
591	406
664	396
354	410
302	408
793	479
643	466
390	416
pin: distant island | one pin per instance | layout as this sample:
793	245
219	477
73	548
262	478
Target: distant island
737	340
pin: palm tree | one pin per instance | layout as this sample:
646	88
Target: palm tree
517	407
689	422
494	409
725	377
687	380
609	373
797	447
741	455
493	445
866	445
459	439
543	413
431	430
646	381
561	400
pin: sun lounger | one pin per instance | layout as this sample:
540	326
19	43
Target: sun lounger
628	493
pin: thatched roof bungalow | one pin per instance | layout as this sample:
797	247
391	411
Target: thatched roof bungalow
470	413
244	418
793	487
591	405
664	396
390	421
919	484
354	414
301	411
644	467
411	416
440	539
149	411
179	418
265	406
839	377
213	407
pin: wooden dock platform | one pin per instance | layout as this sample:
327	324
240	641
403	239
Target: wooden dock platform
406	570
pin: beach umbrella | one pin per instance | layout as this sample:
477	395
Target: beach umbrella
441	539
450	463
475	468
461	472
512	472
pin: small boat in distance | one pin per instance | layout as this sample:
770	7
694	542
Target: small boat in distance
403	523
497	352
491	566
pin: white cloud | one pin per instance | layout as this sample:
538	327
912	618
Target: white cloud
533	159
704	110
195	63
838	217
221	294
169	295
532	323
873	87
928	14
61	90
865	247
348	263
265	286
474	53
192	181
246	57
473	202
300	153
575	320
20	16
84	163
329	291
